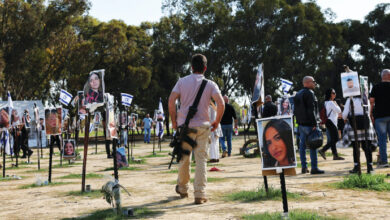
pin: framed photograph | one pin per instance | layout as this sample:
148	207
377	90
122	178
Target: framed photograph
53	121
123	119
69	149
350	84
94	88
97	118
4	118
133	120
285	107
121	160
111	131
82	108
15	118
276	141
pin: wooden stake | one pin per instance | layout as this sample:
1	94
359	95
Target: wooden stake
86	137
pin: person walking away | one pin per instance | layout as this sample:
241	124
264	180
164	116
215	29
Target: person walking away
380	114
186	90
147	124
227	127
307	116
361	135
332	111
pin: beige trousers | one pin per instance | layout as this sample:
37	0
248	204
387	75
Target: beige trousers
200	151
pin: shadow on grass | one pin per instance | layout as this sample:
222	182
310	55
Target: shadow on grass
209	180
292	215
364	182
155	155
109	214
177	171
260	194
141	161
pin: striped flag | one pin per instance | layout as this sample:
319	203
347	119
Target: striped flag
126	99
65	97
285	86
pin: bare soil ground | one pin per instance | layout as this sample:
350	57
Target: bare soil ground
152	186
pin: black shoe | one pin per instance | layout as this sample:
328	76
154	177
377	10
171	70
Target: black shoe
354	170
24	156
370	169
109	156
337	157
30	152
322	153
305	170
316	171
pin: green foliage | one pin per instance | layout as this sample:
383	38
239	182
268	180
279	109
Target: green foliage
292	215
260	194
365	181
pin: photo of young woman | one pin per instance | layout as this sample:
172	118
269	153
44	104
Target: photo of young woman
4	118
285	108
94	88
69	149
277	143
53	121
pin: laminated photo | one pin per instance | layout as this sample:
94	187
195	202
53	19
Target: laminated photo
350	84
121	160
53	121
82	108
276	141
364	89
69	149
110	115
94	89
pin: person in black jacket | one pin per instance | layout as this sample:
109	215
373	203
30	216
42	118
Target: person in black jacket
307	116
269	109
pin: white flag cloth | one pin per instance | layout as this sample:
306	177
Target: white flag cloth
65	97
126	99
258	90
160	119
285	86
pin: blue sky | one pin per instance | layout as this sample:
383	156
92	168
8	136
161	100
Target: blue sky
133	12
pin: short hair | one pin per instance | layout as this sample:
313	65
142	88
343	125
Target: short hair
349	79
268	97
198	63
385	72
306	78
285	132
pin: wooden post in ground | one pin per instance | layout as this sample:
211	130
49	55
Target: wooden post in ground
86	137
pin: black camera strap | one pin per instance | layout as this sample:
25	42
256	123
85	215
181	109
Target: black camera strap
194	108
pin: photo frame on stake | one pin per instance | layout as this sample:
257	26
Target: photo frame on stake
123	118
364	90
350	84
69	151
82	108
97	118
53	121
121	159
94	89
133	120
276	141
4	118
111	122
15	118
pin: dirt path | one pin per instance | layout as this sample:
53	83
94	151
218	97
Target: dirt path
152	187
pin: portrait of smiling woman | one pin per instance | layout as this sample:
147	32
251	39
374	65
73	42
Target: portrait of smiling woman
277	144
94	88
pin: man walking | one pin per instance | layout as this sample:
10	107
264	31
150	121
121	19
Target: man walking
186	90
307	116
147	124
227	127
381	114
269	109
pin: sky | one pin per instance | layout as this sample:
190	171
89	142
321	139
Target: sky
133	12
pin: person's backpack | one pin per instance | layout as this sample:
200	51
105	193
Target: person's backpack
323	115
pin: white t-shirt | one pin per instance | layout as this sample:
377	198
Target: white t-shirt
357	107
332	111
187	88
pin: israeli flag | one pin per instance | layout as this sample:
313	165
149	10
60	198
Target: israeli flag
126	99
65	97
160	109
285	86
